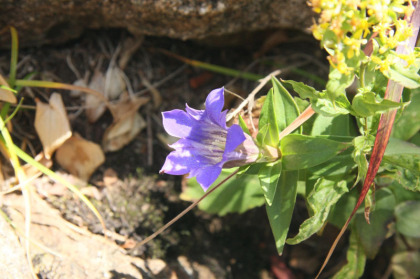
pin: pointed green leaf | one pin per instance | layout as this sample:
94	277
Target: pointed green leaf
236	195
280	212
263	135
300	151
304	91
289	110
356	260
365	104
268	118
372	235
323	196
269	175
243	125
320	101
251	169
278	111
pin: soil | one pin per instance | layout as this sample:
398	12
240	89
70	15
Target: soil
139	201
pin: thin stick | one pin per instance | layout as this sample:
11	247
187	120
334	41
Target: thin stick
194	204
251	96
305	115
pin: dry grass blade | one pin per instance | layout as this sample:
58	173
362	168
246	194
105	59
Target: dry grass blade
57	85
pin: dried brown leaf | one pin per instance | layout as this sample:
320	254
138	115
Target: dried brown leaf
122	132
114	83
126	107
95	106
127	123
52	124
80	157
7	96
77	93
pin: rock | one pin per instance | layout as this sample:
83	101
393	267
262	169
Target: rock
68	251
13	262
51	21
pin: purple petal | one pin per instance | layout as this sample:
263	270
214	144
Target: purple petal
214	104
178	123
197	114
235	136
206	176
179	162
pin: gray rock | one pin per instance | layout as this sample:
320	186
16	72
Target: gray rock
52	21
13	262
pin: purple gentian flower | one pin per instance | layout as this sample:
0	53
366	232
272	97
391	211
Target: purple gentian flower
206	144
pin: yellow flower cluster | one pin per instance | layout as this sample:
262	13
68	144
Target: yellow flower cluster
344	27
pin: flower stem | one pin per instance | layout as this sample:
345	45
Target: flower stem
185	211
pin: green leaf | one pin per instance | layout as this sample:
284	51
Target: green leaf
262	135
278	111
280	212
243	125
400	192
338	83
327	107
400	73
320	101
365	104
362	147
416	139
340	166
342	209
269	175
403	154
407	216
408	124
300	151
402	177
304	91
324	195
406	265
268	118
289	110
372	235
375	81
356	260
325	125
251	169
236	195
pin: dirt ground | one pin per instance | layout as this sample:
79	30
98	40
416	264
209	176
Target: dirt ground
127	190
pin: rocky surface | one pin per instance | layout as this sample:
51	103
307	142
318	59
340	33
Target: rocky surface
13	263
51	21
62	250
